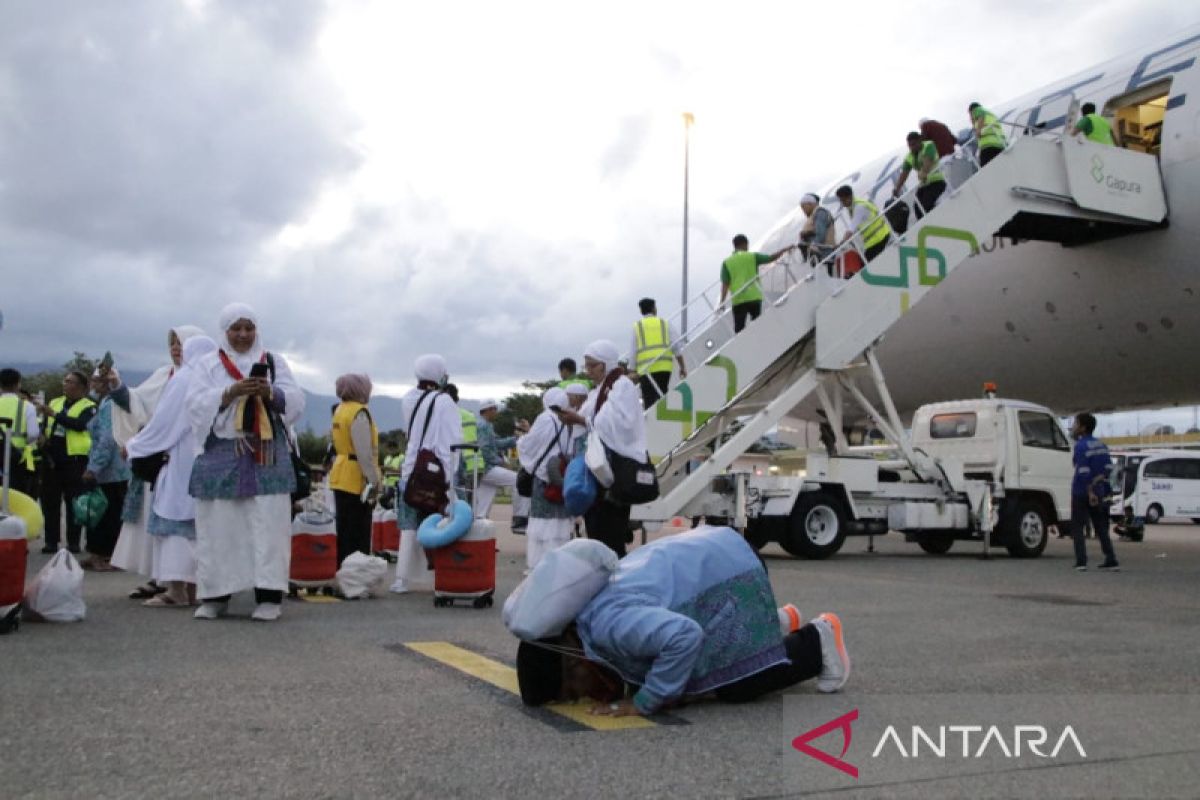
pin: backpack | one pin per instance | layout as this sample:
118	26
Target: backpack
427	487
897	216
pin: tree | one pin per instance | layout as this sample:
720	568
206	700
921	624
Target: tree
312	446
50	381
520	405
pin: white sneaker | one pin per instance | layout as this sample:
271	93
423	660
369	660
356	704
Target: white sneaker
400	586
835	661
267	612
210	611
790	619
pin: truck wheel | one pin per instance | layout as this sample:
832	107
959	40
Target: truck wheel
757	535
1154	514
936	543
817	527
1026	530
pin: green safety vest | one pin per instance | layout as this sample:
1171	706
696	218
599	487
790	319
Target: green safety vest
991	134
584	382
79	443
393	463
12	416
472	459
927	150
1101	132
876	230
743	277
653	345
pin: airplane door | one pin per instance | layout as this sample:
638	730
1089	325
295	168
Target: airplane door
1044	457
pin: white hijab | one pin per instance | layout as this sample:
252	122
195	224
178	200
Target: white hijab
144	398
229	315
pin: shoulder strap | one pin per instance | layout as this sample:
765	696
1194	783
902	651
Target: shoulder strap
428	415
270	359
605	388
549	447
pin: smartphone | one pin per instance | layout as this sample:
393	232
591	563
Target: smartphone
106	362
259	370
556	409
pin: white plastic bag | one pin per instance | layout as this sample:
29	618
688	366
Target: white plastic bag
361	575
596	459
562	583
56	594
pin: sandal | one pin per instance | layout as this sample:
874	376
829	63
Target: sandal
164	601
147	591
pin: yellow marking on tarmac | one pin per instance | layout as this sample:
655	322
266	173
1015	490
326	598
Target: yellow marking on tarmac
320	598
505	677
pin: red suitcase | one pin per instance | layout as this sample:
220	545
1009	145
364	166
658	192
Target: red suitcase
314	550
385	534
466	569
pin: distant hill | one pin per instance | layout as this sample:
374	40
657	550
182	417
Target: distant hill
386	410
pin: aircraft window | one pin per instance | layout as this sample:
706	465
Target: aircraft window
1137	117
1040	430
952	426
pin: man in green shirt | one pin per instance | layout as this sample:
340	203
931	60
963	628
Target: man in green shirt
567	370
1094	126
923	157
740	271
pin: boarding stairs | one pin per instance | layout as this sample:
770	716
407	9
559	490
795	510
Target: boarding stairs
817	328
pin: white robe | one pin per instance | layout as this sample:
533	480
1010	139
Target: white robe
621	422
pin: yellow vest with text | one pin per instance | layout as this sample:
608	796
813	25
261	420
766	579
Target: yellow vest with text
472	459
346	474
653	345
79	443
876	230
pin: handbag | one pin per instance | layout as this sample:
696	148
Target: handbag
634	482
596	458
579	486
427	486
146	468
553	492
525	477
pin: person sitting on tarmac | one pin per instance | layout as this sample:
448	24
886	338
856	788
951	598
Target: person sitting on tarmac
686	616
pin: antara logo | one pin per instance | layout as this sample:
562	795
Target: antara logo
973	741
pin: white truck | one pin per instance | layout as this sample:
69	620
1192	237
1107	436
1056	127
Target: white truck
990	470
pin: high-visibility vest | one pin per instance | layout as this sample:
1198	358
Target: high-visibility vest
1101	132
584	382
876	230
472	459
653	345
927	150
79	443
743	277
393	464
346	475
12	417
991	133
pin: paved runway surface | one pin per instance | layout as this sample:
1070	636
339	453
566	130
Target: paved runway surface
330	702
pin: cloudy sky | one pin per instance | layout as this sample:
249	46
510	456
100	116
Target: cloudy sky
498	182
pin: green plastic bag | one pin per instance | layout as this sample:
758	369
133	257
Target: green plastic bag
89	508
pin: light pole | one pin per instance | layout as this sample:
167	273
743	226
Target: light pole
688	119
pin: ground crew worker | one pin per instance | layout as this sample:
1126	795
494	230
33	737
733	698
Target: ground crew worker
866	222
988	133
391	469
568	372
740	271
1094	126
652	348
923	157
471	462
66	451
19	416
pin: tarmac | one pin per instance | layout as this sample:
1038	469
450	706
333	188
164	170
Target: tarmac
333	701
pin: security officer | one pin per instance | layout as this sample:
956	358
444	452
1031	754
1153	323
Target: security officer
988	133
391	469
866	221
66	452
652	347
19	416
1094	126
923	157
739	273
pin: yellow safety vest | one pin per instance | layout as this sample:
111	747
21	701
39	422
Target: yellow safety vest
876	230
653	345
991	132
12	416
472	459
393	463
79	443
346	475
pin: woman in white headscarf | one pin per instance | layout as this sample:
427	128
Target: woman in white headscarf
132	409
431	422
241	401
172	525
544	453
614	411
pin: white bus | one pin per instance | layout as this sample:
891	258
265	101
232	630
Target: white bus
1154	485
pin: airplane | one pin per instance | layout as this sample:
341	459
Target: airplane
1097	324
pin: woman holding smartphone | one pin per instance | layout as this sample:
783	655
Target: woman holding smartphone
241	402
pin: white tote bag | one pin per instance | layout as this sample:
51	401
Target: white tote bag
596	459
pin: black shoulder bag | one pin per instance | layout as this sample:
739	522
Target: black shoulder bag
525	477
